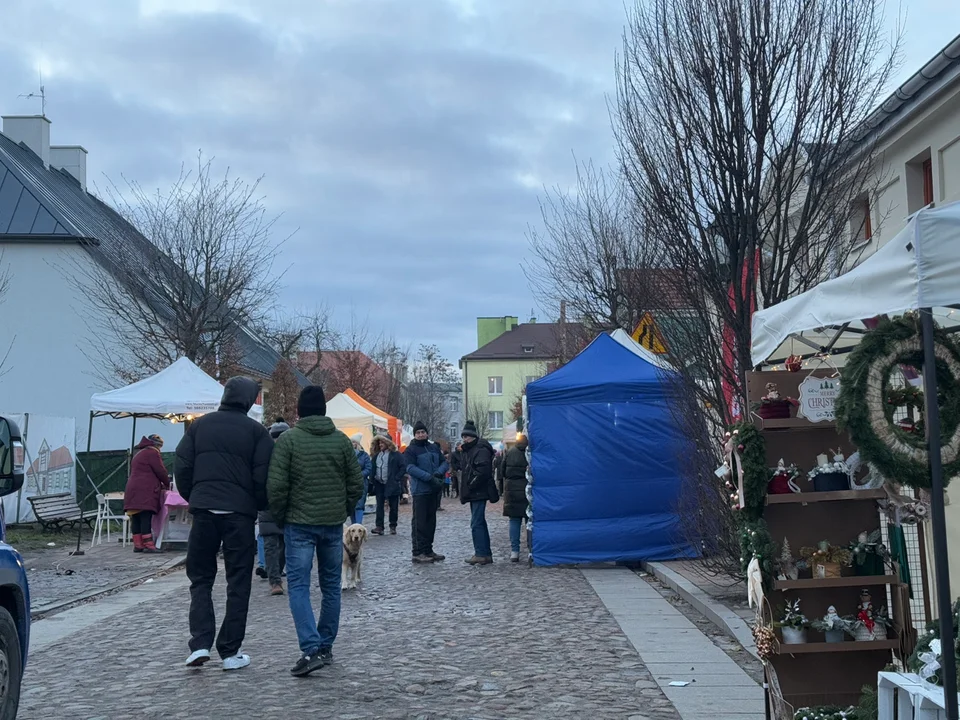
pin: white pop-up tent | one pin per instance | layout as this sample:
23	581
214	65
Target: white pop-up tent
178	393
919	269
351	417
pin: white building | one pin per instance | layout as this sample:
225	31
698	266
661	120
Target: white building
50	224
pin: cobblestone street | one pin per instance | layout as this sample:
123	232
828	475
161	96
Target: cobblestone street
440	641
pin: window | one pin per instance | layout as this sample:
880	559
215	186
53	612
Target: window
495	385
454	404
919	177
861	228
495	418
531	378
528	349
927	170
454	431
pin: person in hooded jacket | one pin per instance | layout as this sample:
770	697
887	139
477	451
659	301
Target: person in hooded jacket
388	472
271	535
425	467
143	495
366	469
477	487
513	470
221	470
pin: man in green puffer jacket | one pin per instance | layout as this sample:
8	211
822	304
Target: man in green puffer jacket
313	486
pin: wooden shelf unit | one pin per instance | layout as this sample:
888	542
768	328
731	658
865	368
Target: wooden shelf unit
857	581
847	646
834	496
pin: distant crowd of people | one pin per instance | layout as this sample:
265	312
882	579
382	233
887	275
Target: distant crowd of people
301	484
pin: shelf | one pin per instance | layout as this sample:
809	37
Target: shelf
796	423
812	497
837	582
846	646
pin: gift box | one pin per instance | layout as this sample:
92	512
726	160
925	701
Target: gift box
831	481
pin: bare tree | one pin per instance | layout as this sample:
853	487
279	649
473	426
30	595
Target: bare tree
478	410
743	134
425	394
195	268
5	279
281	400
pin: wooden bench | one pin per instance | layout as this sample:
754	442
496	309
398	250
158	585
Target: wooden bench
56	512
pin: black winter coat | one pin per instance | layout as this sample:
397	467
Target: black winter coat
223	459
476	472
513	470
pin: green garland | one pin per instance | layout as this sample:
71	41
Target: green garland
862	408
827	712
755	542
752	450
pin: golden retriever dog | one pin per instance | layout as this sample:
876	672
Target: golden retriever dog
353	537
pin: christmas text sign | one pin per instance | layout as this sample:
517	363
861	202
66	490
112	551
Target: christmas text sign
818	396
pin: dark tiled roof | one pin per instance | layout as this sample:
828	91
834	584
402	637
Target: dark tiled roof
40	204
543	338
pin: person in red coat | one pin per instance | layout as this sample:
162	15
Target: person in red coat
143	495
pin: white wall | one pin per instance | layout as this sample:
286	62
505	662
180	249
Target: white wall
46	371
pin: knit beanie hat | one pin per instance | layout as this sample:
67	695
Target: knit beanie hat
469	430
419	426
312	402
357	438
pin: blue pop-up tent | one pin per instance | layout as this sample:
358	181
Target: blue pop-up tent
605	455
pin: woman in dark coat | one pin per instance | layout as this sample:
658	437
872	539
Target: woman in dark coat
513	470
388	469
143	496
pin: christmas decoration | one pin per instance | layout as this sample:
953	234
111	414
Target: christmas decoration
832	625
793	626
826	560
927	655
793	363
788	566
827	712
783	480
870	555
772	406
755	542
745	455
866	404
830	476
765	639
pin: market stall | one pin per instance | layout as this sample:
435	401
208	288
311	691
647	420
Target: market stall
178	393
352	414
605	454
915	272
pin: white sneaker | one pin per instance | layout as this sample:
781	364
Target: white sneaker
198	658
240	660
514	557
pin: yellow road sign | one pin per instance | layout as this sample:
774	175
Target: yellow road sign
648	335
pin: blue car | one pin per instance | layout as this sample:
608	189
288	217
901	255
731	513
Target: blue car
14	593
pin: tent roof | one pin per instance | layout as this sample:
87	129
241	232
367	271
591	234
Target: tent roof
609	368
918	268
353	395
175	392
342	406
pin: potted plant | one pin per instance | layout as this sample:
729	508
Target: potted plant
830	476
826	560
832	626
870	555
793	626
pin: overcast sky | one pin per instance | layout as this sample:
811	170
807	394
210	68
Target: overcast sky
406	141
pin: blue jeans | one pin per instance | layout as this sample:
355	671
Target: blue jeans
478	527
515	526
261	557
302	542
361	504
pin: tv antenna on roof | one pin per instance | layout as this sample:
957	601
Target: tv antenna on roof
42	95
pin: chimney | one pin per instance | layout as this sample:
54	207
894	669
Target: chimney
71	158
31	130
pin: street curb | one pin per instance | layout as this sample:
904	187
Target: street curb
717	613
55	607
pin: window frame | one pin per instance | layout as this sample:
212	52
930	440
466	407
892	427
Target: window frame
926	172
494	382
491	414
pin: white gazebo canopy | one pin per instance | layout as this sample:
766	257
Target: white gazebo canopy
351	417
179	392
918	268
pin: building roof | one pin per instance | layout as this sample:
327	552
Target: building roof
940	70
59	458
527	341
45	204
341	369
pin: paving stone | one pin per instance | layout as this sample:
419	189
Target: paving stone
432	642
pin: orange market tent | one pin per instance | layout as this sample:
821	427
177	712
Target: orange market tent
352	414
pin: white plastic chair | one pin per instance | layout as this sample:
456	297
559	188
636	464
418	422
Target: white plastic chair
104	517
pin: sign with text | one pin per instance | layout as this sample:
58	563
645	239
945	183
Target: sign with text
818	395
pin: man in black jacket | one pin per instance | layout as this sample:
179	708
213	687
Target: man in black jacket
477	487
221	470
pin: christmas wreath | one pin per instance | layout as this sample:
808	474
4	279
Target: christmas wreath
747	459
865	405
755	542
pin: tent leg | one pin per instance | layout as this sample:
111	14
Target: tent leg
938	516
133	444
90	432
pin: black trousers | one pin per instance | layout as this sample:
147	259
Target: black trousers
274	556
235	533
382	500
424	523
142	523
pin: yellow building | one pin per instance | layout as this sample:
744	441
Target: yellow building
509	355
